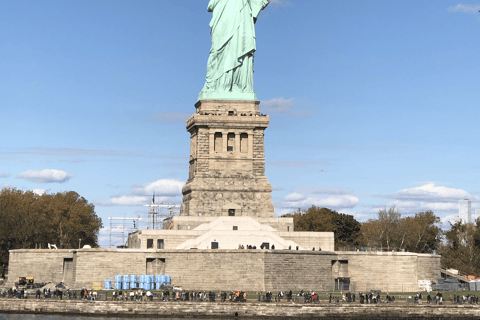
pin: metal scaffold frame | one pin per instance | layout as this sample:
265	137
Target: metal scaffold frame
120	228
159	212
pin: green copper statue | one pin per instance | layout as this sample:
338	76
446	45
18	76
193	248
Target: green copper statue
230	65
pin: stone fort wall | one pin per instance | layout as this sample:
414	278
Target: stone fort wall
250	270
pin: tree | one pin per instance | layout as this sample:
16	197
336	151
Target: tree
461	250
344	226
424	235
389	222
29	221
418	233
384	231
73	218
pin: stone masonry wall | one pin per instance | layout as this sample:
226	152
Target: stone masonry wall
203	150
297	270
428	266
386	271
43	265
217	270
251	270
258	153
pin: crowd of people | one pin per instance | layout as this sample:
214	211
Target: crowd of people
307	297
465	299
237	296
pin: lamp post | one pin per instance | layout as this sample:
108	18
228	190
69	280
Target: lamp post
79	242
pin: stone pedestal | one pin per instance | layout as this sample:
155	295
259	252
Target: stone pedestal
227	161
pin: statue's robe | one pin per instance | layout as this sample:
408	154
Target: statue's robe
230	65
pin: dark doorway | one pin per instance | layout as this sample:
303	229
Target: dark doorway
68	271
155	266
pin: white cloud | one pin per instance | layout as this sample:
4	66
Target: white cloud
432	193
281	211
402	206
4	175
329	190
134	201
126	201
411	207
465	8
294	197
277	105
162	187
280	3
6	186
166	191
359	216
45	176
446	220
171	117
443	201
284	107
40	192
440	206
339	203
104	237
296	200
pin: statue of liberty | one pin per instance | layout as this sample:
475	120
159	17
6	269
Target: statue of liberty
230	65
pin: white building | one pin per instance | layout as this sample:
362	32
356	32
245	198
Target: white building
465	210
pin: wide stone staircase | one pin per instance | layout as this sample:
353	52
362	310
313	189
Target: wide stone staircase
247	231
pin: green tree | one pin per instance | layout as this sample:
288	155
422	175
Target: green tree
29	221
344	226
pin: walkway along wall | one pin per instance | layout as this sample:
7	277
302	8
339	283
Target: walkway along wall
244	310
250	270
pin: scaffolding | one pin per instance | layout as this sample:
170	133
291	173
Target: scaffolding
120	228
159	212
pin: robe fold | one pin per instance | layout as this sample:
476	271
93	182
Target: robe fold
230	65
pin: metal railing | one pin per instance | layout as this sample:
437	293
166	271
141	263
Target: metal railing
457	275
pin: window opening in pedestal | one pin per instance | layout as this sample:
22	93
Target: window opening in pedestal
218	142
160	244
231	212
230	142
243	143
149	243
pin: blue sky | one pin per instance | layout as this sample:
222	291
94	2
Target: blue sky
371	103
